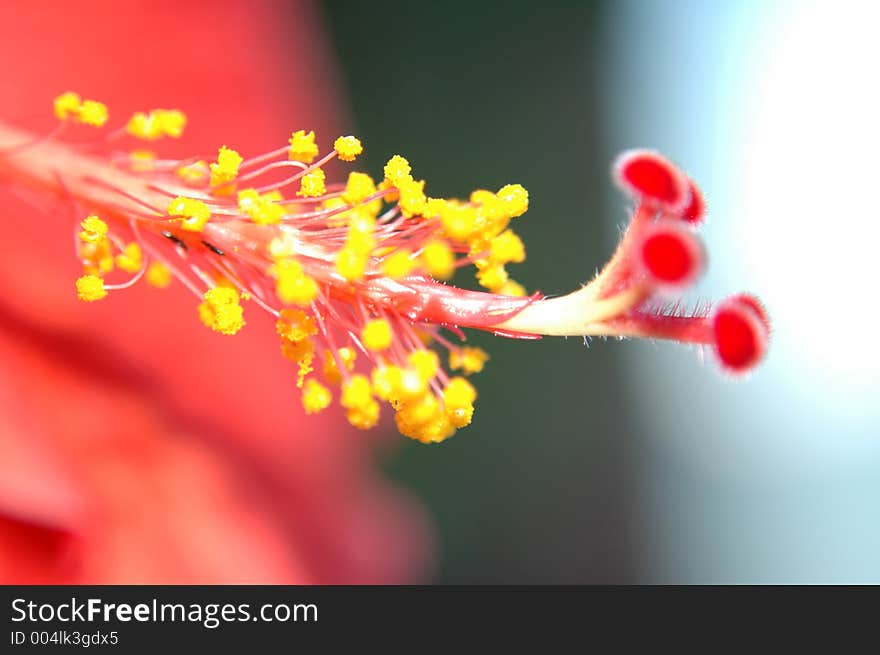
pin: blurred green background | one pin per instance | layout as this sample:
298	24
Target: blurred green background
478	95
631	462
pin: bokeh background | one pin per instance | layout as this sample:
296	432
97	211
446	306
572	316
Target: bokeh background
606	462
634	462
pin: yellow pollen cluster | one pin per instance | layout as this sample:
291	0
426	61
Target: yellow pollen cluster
293	285
69	106
221	310
225	170
90	288
158	275
348	147
264	209
315	396
195	213
130	259
96	250
312	184
468	359
398	264
296	329
357	398
303	147
346	355
354	256
376	335
157	124
327	254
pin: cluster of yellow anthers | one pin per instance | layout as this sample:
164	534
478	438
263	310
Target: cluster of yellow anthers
352	271
329	253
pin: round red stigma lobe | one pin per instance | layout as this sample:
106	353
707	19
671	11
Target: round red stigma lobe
741	334
652	179
695	210
671	255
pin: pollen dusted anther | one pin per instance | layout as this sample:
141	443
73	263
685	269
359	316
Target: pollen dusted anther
352	269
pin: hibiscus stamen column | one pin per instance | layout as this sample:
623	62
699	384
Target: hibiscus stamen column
354	271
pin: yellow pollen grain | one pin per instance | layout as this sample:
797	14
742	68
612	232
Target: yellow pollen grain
90	288
376	335
130	259
315	396
221	310
225	170
94	230
438	259
469	359
303	147
195	213
398	264
348	147
312	184
158	275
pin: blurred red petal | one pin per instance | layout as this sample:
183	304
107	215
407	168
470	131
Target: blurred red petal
185	452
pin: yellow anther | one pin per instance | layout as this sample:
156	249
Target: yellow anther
459	221
172	122
351	263
356	392
419	411
514	200
398	264
303	147
67	105
331	372
293	285
312	184
93	113
315	396
283	247
263	209
364	417
90	288
458	399
299	352
386	380
376	335
194	174
358	187
195	213
94	230
412	197
459	393
469	359
226	168
412	385
397	171
295	325
348	147
156	124
507	247
436	430
425	362
158	275
221	310
438	259
511	288
492	277
130	259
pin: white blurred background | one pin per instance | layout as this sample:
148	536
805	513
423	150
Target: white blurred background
774	109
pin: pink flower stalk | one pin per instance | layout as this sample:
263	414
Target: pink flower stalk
353	271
